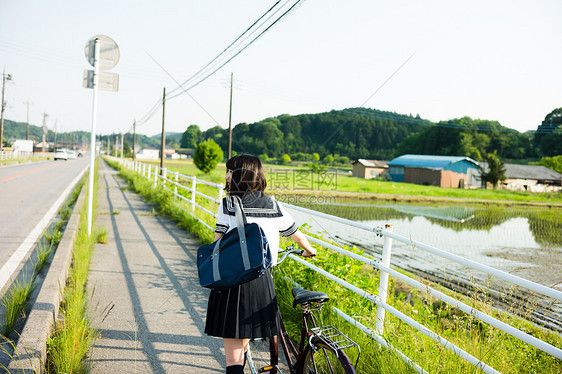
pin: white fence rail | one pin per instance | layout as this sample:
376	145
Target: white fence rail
177	185
10	155
160	177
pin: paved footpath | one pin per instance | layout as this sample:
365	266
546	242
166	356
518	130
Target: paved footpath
147	272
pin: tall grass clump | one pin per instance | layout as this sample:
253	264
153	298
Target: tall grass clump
43	254
15	301
74	335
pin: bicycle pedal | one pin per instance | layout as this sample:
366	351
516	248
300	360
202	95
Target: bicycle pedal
268	369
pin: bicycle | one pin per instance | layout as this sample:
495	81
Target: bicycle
320	349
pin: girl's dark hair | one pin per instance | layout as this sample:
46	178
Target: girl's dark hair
247	175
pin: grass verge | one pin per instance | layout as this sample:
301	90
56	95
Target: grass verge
74	333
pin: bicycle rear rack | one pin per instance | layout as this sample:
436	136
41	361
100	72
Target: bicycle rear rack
335	339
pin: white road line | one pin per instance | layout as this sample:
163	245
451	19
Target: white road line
14	261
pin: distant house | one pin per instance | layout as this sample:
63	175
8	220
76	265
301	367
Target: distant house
38	147
443	171
532	178
148	154
172	154
369	168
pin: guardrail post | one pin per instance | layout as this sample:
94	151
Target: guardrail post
193	189
155	176
164	176
176	179
221	189
383	282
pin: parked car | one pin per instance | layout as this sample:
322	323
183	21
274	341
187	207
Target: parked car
71	154
60	154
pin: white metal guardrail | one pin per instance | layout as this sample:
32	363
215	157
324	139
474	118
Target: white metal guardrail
152	174
177	185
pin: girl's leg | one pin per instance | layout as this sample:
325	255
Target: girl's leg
234	351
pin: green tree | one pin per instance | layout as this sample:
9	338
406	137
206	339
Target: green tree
285	159
191	137
328	160
207	155
554	163
548	136
127	149
342	160
264	157
315	157
496	170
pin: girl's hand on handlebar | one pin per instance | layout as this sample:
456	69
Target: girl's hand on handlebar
308	253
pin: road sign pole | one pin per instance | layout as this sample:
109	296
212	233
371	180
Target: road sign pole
93	136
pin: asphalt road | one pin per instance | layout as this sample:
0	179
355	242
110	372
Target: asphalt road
27	192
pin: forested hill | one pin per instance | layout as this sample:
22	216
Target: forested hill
371	134
356	133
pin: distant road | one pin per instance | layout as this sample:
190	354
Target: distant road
27	191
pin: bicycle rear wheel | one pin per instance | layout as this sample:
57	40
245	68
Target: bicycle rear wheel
323	359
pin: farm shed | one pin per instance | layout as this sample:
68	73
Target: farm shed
369	168
532	178
443	171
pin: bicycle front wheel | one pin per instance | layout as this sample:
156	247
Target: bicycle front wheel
320	358
258	355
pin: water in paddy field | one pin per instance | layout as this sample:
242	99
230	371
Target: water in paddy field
523	242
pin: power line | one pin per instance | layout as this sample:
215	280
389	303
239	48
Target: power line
228	47
152	111
242	50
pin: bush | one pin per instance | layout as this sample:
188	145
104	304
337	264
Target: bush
328	160
207	155
285	159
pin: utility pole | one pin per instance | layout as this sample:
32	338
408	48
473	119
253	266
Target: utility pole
122	146
230	119
116	142
134	138
27	128
5	77
109	145
163	145
55	141
45	115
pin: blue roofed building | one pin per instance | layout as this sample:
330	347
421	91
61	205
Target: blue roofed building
443	171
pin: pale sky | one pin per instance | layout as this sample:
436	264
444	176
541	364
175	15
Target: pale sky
493	59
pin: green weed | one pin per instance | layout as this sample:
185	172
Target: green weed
101	237
65	212
53	236
43	254
15	302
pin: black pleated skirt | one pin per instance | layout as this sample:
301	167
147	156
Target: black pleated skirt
244	312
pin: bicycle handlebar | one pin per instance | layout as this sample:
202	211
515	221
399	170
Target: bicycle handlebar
290	249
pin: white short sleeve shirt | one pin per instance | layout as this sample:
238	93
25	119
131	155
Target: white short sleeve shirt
271	216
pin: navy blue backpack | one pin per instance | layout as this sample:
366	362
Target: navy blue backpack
239	256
